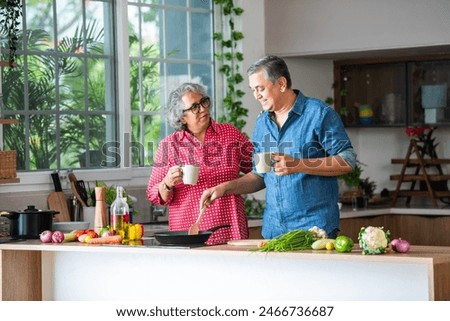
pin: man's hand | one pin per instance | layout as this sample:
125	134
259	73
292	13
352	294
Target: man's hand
209	195
284	164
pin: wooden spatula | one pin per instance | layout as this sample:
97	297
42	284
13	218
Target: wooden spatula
73	186
195	228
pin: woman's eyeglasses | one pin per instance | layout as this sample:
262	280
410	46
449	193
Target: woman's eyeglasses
195	108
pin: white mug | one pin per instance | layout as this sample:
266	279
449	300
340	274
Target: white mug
263	162
190	174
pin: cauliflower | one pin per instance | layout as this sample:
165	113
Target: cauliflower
373	240
318	232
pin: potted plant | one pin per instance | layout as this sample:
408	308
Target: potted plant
254	208
10	20
358	188
110	196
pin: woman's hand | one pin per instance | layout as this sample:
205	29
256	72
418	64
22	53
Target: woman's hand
173	176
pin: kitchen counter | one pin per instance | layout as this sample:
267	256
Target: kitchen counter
347	211
74	271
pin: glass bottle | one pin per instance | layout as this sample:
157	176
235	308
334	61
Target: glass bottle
119	214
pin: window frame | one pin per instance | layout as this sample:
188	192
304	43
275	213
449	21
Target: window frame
35	181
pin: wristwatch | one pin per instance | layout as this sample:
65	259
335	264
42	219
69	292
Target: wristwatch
165	187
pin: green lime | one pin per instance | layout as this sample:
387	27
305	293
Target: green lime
343	244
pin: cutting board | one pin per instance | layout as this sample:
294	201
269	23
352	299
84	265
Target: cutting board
249	242
57	201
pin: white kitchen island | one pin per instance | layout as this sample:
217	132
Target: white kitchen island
74	271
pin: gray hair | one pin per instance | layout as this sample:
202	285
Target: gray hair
175	106
273	67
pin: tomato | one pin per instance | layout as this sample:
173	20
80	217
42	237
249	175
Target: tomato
343	244
78	233
92	234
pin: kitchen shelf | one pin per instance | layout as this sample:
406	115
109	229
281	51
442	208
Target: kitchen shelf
9	180
4	121
389	91
415	162
434	190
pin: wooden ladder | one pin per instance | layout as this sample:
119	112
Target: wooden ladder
421	174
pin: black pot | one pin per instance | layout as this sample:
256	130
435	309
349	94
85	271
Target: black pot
29	223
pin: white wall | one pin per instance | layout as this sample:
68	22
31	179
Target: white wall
296	29
253	49
377	146
305	27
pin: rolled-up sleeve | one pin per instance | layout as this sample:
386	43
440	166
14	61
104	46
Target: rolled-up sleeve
349	156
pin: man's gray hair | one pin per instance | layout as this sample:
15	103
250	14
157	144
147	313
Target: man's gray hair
175	105
273	67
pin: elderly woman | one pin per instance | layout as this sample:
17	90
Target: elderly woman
220	150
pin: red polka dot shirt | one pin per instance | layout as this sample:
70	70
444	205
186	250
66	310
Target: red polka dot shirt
225	153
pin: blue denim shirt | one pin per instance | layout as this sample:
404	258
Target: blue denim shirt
301	201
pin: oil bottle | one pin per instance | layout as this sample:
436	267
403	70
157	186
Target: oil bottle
119	214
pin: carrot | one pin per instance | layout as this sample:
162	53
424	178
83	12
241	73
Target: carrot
113	239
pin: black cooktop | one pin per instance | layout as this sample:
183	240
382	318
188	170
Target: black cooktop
152	242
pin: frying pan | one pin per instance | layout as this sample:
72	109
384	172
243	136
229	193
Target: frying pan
182	237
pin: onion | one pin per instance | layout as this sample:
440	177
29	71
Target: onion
400	246
107	233
394	243
57	237
46	236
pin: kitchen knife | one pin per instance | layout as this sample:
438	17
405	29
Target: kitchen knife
81	188
56	182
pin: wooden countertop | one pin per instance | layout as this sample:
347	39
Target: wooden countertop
430	262
347	212
416	254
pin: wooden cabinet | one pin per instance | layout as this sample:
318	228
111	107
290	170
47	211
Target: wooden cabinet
254	232
416	229
393	92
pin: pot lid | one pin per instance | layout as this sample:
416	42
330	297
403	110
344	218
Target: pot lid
31	209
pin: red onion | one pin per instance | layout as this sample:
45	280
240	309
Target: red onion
46	236
107	233
57	237
400	246
394	243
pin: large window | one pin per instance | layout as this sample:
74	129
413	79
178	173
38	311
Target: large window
67	90
170	42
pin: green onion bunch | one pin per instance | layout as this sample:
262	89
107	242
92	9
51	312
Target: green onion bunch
290	241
